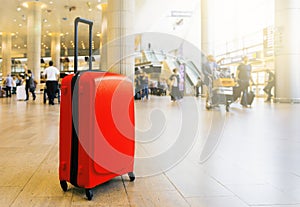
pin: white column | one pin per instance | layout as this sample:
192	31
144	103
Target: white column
103	39
34	31
6	53
55	49
207	26
287	50
121	41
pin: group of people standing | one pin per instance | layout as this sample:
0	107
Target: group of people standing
51	74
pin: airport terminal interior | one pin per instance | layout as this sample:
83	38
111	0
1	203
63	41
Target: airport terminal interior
186	153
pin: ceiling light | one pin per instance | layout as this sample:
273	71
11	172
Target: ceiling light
25	4
99	7
19	8
51	2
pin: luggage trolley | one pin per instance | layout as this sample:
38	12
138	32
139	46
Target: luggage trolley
221	92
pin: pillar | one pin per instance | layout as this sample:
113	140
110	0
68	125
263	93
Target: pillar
34	31
207	26
6	53
55	49
287	51
120	37
103	38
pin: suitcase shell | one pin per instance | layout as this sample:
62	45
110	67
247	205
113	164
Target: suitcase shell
21	93
250	98
96	128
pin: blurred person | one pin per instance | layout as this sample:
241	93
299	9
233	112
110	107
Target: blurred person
19	81
198	86
174	85
52	75
29	85
244	77
14	87
209	70
270	84
8	85
145	85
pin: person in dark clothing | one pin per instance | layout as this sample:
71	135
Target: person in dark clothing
270	84
8	85
29	85
243	78
198	87
145	85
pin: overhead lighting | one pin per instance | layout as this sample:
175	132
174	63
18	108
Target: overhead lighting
19	8
25	4
181	13
99	7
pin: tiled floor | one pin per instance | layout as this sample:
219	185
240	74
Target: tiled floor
185	156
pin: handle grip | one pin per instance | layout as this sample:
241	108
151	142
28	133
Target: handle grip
90	23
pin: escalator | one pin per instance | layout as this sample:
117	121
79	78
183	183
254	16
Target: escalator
154	61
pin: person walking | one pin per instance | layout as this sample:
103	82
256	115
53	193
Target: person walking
8	85
29	85
270	84
52	76
243	78
209	70
174	85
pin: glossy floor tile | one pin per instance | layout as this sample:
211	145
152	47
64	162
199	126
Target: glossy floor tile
185	156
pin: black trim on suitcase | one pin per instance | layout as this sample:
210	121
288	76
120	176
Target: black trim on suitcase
74	141
74	101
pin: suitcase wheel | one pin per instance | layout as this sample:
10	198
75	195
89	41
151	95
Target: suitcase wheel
64	185
131	176
89	194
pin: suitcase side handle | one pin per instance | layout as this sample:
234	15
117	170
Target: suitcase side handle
90	23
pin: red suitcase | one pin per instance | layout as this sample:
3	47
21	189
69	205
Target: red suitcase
97	133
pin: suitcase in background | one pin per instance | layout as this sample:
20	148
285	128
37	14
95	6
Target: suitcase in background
97	131
21	93
236	92
250	98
